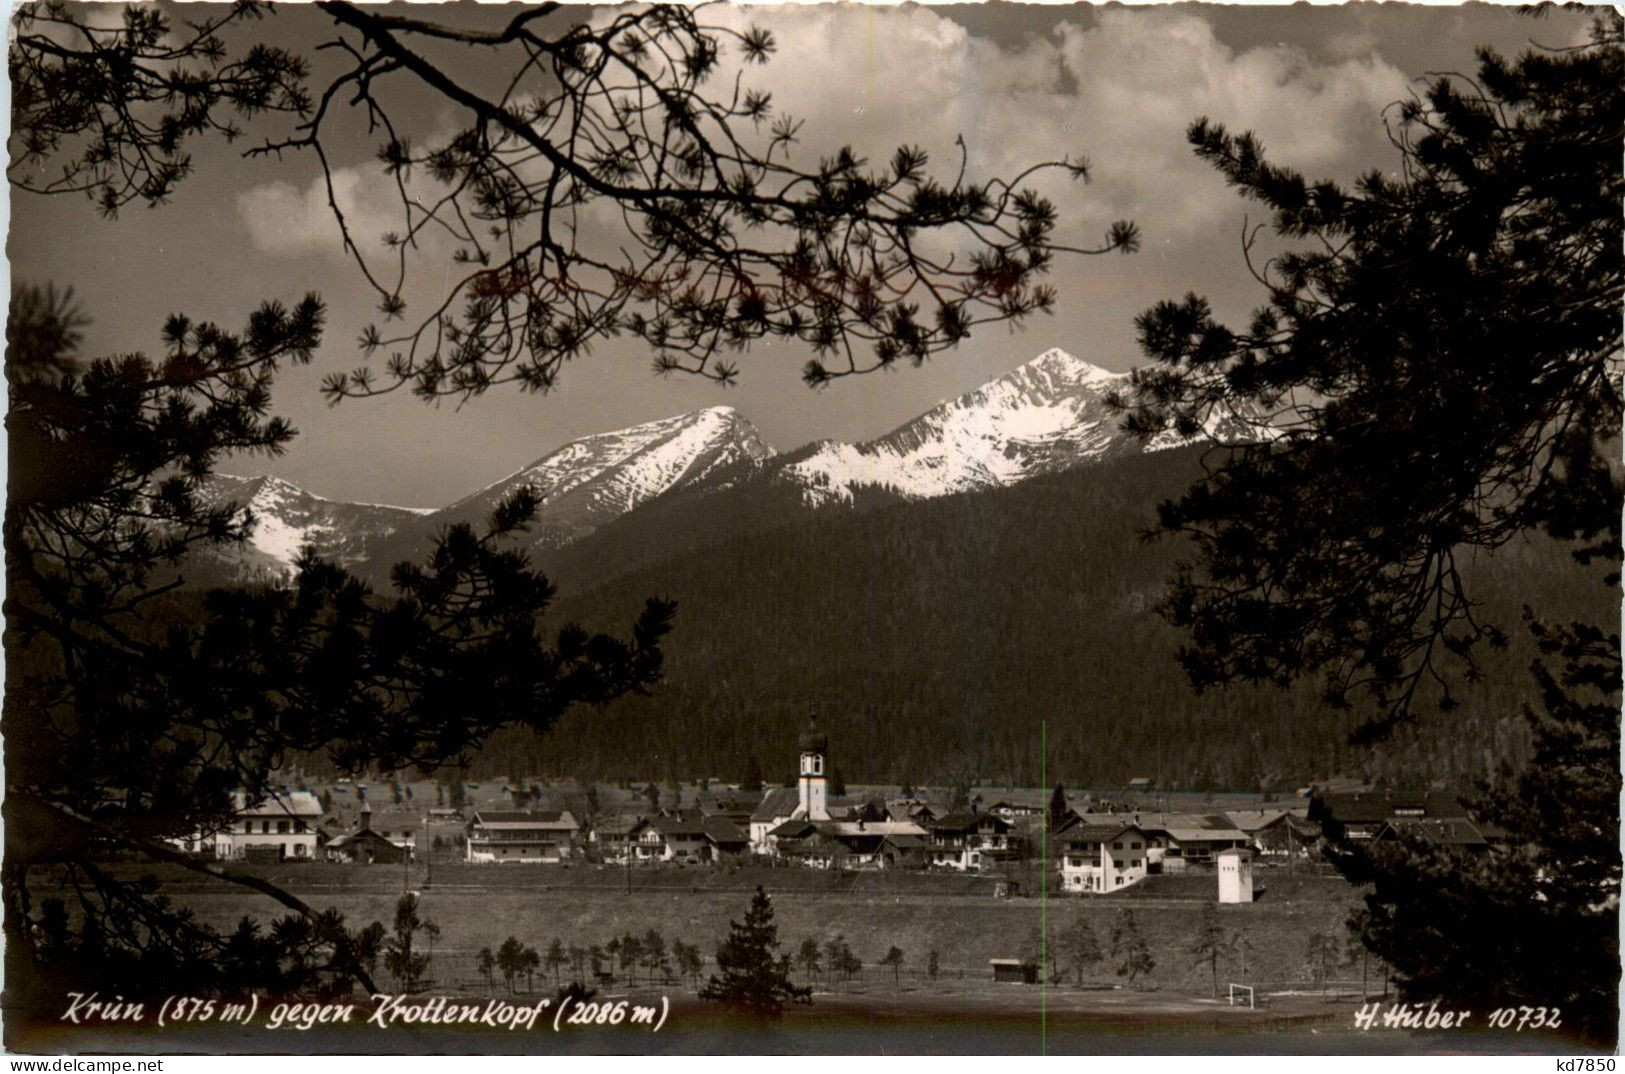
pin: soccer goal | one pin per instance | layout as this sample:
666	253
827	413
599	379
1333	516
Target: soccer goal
1242	990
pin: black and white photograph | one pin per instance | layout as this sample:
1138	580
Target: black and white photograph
820	529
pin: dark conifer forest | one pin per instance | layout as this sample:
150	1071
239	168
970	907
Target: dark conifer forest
933	639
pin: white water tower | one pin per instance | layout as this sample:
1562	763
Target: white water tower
1235	875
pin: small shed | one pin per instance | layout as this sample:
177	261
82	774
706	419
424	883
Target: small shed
1014	970
1235	875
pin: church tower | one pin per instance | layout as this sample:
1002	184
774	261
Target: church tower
814	745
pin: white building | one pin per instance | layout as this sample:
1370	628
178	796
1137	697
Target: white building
971	842
1103	858
776	807
279	827
1235	875
534	838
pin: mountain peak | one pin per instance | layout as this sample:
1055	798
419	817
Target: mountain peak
1046	415
591	479
1069	368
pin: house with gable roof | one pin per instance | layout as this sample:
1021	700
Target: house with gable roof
1102	858
281	826
499	836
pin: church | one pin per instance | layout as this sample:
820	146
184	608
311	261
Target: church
802	824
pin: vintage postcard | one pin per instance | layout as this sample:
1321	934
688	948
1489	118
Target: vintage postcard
827	529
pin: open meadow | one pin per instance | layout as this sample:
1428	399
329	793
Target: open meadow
956	916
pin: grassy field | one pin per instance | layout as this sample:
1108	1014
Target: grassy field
956	916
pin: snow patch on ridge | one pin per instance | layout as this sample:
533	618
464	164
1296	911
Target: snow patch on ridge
1047	415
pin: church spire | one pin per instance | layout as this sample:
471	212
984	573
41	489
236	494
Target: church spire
814	794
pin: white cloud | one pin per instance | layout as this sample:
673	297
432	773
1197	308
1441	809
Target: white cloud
1120	91
289	220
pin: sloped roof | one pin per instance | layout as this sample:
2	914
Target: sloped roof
617	825
551	821
1207	835
722	830
777	802
1091	834
339	842
1373	807
964	822
1248	820
684	823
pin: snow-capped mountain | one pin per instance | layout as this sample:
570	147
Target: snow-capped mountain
589	481
1047	415
286	518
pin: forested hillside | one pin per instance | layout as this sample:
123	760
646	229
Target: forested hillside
934	639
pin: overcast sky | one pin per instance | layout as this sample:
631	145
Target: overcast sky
1020	84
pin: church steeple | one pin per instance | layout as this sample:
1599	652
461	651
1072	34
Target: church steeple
814	745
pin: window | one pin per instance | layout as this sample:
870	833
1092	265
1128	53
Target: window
1119	881
1117	846
282	827
299	851
1135	864
1134	846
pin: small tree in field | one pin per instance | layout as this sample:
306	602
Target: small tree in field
750	977
655	958
556	958
1129	948
688	959
933	965
1080	947
488	965
894	959
1213	941
511	960
808	958
631	953
401	958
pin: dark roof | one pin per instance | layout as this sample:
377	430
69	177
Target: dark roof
359	835
906	842
1096	833
682	823
616	825
777	802
964	822
793	829
556	820
722	830
1374	807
